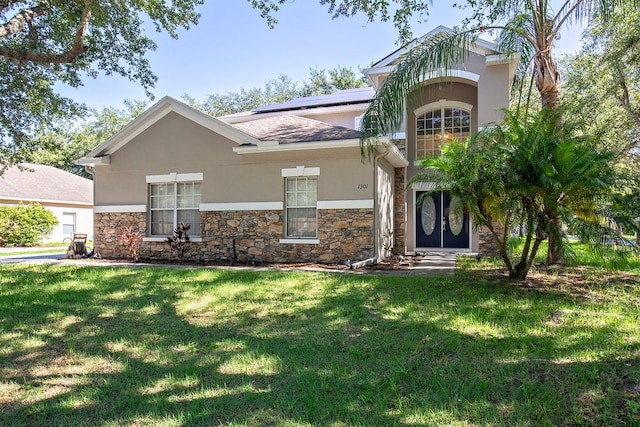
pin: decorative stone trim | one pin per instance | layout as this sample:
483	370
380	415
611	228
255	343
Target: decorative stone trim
487	245
343	234
399	210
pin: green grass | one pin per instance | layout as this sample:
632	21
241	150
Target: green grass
91	346
619	258
33	251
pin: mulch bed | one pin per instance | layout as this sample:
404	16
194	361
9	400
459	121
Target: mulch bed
395	264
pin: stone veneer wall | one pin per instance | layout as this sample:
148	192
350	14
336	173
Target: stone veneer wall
399	213
344	234
487	245
107	227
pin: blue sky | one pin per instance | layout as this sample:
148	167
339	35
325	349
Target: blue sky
232	48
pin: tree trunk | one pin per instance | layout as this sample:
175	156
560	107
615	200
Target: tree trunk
547	79
519	272
554	252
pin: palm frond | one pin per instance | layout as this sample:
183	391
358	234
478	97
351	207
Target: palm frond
434	56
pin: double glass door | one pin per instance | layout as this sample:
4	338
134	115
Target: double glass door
441	221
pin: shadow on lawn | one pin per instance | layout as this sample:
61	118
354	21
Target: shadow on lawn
146	346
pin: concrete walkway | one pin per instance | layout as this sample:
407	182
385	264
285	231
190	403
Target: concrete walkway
437	263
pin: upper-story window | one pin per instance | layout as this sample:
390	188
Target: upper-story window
440	122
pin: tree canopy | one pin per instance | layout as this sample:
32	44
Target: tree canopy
400	11
44	42
61	147
601	92
601	86
279	90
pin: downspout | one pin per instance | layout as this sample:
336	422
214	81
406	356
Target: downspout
374	258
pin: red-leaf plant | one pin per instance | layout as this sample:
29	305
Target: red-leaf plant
131	240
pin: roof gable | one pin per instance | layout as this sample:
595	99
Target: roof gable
379	70
155	113
481	47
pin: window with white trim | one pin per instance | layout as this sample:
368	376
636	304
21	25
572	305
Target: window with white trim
438	126
301	199
171	203
68	223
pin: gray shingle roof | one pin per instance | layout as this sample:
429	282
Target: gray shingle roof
289	129
45	183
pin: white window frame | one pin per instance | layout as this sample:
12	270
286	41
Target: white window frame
174	179
291	174
441	105
64	223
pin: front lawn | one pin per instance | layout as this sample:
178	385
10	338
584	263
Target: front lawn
180	347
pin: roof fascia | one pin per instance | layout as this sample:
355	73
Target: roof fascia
502	58
446	74
93	161
47	201
393	153
159	110
382	145
298	146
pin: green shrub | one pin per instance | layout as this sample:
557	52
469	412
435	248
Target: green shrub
25	225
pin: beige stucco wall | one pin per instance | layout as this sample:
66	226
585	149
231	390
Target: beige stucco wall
176	144
493	87
344	119
385	176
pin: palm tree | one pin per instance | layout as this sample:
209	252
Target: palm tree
525	171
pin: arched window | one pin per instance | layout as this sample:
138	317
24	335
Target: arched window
439	122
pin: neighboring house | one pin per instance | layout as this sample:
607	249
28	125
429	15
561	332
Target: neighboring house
287	182
68	196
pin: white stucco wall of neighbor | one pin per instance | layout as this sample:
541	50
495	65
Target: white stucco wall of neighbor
71	220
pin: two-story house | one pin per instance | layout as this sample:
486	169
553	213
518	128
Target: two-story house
287	182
